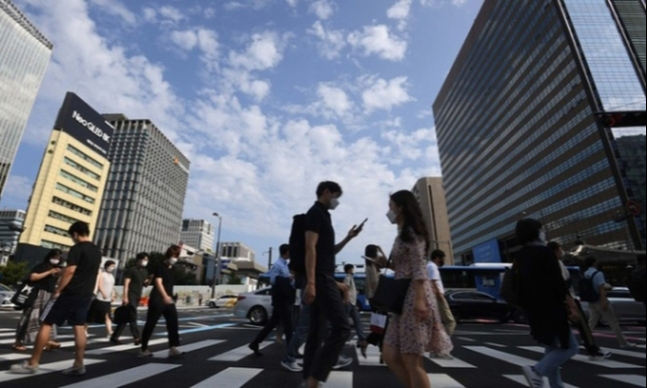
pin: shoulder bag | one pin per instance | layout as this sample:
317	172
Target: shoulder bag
390	293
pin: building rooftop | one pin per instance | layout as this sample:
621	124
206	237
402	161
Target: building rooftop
13	11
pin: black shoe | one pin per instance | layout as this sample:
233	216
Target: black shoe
114	340
254	347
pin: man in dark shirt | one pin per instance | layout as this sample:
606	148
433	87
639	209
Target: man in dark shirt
322	291
70	301
135	279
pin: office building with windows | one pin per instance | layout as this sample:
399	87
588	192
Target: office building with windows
10	227
523	123
431	197
25	53
198	234
144	198
236	251
631	154
72	176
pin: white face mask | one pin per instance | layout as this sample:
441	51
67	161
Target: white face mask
110	269
391	216
54	261
542	236
334	202
144	263
173	260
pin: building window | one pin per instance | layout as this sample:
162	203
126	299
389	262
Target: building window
62	217
74	193
55	230
77	180
71	206
80	168
83	156
52	245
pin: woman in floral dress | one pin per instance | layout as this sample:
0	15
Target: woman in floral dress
419	328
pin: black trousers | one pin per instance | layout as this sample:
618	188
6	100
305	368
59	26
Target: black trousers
325	342
132	323
155	311
282	314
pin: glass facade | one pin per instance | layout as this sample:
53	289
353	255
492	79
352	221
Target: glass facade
517	134
24	58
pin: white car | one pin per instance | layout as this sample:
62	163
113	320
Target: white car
223	301
6	293
255	306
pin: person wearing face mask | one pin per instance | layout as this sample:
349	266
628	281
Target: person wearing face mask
329	327
100	309
418	328
43	279
135	279
161	303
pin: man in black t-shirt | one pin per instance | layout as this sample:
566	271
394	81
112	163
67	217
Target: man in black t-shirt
135	279
322	291
70	301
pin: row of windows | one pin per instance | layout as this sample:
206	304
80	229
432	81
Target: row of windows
52	245
80	168
78	180
67	190
57	231
62	217
71	206
83	156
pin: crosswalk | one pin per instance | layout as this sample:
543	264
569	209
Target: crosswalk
230	364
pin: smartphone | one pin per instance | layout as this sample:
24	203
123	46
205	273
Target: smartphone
362	224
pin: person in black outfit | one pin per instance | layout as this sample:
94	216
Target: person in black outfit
135	279
71	300
283	296
322	290
161	303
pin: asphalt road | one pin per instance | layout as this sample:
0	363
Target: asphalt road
487	355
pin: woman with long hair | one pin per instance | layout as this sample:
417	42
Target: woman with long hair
43	278
419	328
161	303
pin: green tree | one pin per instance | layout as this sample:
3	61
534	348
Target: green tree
13	272
234	279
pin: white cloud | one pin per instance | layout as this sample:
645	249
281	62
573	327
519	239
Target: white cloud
334	99
399	10
116	8
377	40
205	40
186	39
323	9
331	42
382	94
440	3
150	15
17	191
292	3
263	52
171	13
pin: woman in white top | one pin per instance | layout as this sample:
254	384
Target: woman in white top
100	310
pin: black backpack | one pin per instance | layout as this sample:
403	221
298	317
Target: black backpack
588	293
298	245
637	284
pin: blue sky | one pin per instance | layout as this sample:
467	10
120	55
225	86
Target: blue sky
265	97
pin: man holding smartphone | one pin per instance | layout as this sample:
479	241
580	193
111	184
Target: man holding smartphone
322	291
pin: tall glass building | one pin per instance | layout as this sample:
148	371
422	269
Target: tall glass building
144	196
523	119
24	55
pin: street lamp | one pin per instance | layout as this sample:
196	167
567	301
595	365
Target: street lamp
216	272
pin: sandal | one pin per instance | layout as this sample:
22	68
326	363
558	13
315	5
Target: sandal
53	345
18	348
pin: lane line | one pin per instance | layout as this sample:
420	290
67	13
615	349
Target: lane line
238	353
124	377
189	347
229	378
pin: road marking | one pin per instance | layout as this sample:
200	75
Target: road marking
372	357
120	348
238	353
189	347
14	356
521	379
450	363
7	334
229	378
441	380
45	369
339	379
124	377
585	359
194	329
627	353
636	380
496	345
466	339
502	356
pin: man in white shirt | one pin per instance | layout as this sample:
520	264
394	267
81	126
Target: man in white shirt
438	260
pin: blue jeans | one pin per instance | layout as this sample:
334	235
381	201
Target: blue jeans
354	315
553	359
300	333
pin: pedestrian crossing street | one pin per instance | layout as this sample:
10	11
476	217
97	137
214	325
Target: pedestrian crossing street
229	363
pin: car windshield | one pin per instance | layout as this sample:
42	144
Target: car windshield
4	288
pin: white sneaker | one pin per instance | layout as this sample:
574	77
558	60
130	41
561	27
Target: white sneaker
145	353
600	355
342	362
75	371
291	366
174	352
534	379
23	368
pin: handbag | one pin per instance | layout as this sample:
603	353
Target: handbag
124	314
510	289
25	295
390	293
446	316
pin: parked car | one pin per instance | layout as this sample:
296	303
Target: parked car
624	305
255	306
473	304
223	301
6	293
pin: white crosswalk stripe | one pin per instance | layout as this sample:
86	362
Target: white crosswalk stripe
339	379
627	353
45	368
503	356
636	380
439	380
124	377
121	348
585	359
521	379
229	378
451	363
238	353
372	357
189	347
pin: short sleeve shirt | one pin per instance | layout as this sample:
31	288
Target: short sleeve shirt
87	259
47	284
137	277
434	275
162	271
318	221
598	279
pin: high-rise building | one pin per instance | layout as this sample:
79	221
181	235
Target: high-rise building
236	251
10	227
71	178
431	197
25	55
142	208
631	152
522	122
198	234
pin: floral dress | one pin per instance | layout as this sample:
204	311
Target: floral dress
406	332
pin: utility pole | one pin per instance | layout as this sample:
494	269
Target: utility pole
269	258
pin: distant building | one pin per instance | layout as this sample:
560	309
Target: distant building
142	209
236	251
431	197
25	53
198	234
10	227
631	153
72	176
